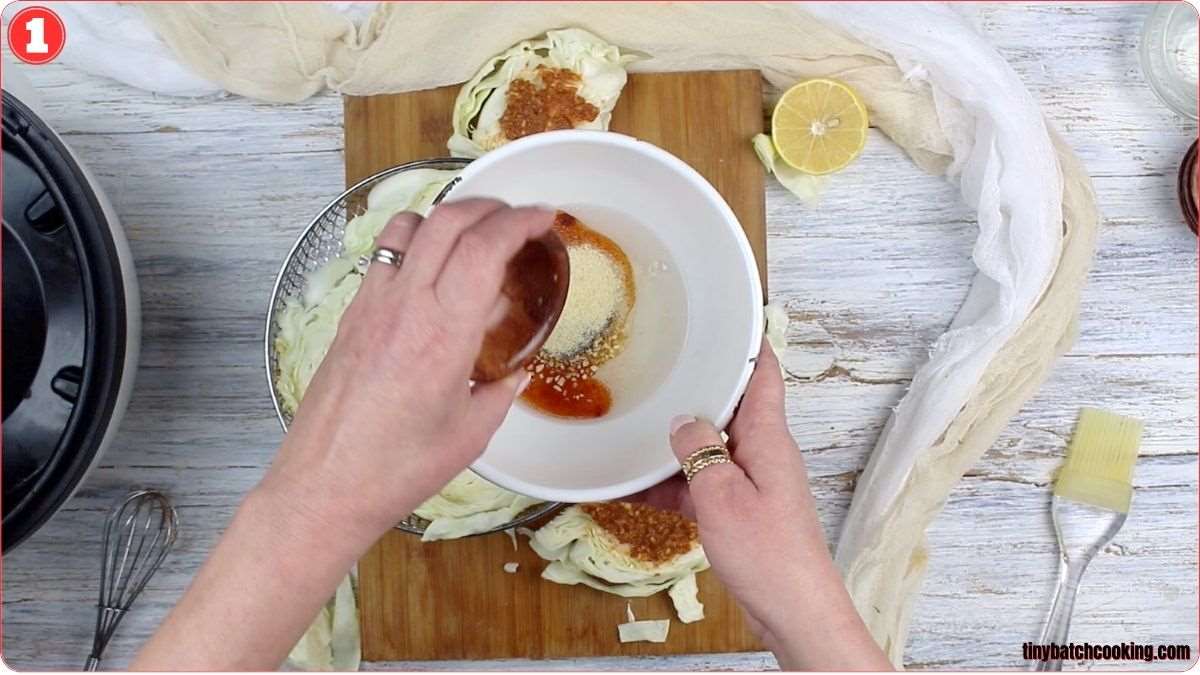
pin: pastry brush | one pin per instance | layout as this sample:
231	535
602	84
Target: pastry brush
1090	502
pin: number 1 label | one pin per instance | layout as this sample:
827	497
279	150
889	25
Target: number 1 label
37	36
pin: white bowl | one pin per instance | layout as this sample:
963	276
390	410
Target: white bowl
694	331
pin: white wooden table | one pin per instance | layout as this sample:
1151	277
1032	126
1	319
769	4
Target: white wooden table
213	192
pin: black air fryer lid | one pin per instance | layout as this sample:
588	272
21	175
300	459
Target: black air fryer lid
63	323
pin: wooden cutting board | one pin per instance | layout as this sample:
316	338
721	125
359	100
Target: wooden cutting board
453	600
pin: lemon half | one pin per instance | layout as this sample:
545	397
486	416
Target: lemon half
819	126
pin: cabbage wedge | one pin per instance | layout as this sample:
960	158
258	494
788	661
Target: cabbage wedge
483	100
580	551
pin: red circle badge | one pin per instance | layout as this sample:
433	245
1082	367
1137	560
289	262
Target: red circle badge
36	35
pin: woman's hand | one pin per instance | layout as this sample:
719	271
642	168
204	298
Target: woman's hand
387	421
389	417
759	527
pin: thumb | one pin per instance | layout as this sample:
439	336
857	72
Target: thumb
716	490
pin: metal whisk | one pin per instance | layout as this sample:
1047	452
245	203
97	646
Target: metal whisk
138	534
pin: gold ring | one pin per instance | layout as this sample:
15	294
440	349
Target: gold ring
709	455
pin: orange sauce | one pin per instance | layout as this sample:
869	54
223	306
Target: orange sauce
586	398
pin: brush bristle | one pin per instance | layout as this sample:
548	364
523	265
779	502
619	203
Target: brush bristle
1100	458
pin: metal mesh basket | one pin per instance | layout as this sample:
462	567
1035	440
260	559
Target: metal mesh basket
321	242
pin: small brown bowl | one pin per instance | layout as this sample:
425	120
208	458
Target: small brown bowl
1189	190
535	288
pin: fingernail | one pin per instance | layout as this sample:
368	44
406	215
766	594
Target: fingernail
680	420
524	384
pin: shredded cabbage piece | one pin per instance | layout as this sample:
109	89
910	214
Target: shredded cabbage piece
332	640
644	631
307	327
469	505
805	186
685	596
412	190
777	320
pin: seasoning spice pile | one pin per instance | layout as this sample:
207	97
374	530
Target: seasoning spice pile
652	535
548	101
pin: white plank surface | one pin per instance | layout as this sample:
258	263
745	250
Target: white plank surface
213	192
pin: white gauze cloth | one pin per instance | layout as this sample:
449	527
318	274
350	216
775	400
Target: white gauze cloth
930	82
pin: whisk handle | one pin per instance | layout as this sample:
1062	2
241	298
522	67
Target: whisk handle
92	664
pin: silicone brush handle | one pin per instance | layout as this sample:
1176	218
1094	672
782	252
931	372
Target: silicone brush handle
1082	531
1058	625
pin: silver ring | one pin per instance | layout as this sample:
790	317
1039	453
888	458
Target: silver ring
388	256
